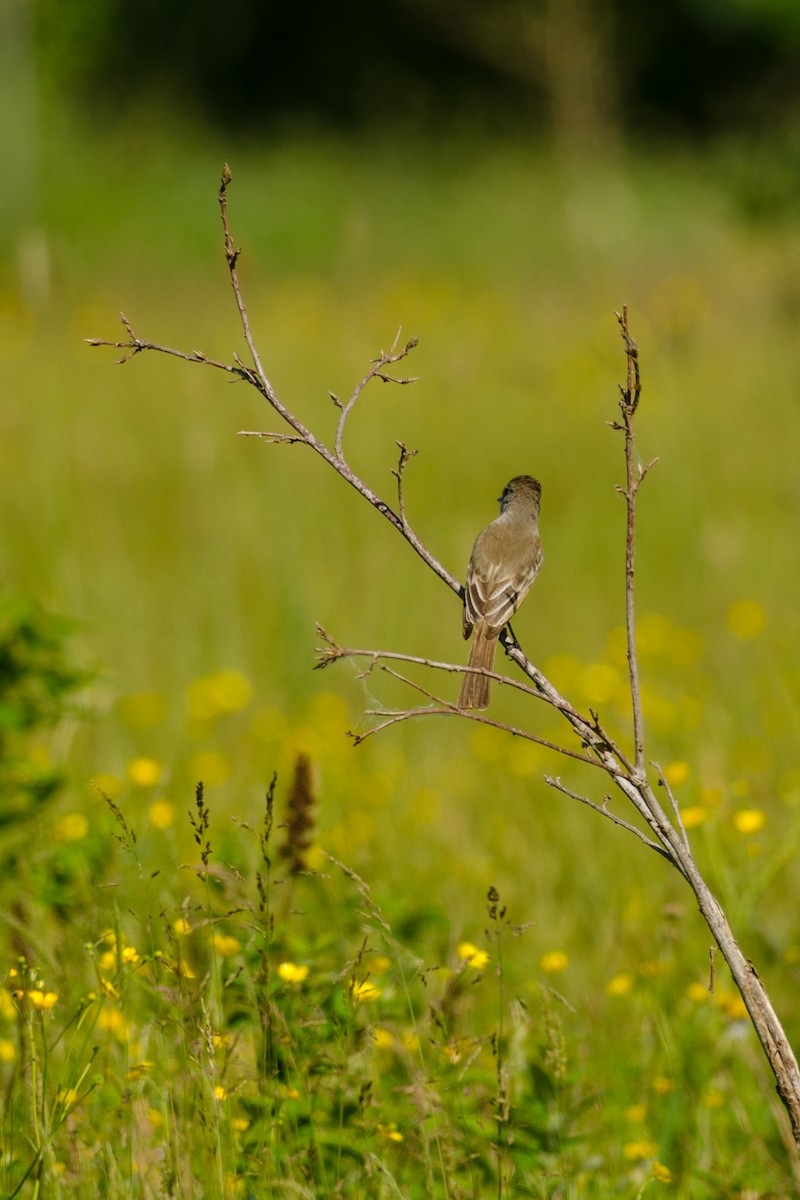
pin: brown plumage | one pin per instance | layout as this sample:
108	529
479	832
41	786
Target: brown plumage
505	561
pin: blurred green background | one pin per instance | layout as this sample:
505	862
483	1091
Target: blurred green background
496	180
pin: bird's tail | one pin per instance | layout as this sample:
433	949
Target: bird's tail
475	688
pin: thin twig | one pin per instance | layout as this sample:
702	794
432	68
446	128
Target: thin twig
629	402
405	457
385	358
664	782
605	811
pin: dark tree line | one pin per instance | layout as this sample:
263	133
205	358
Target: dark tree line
584	72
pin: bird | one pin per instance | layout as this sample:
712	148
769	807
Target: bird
505	560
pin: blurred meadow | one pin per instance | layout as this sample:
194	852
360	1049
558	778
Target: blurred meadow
452	981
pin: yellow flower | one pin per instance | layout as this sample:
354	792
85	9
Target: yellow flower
162	814
390	1132
382	1038
107	960
292	973
240	1124
112	1019
553	962
663	1086
638	1150
600	683
144	772
620	985
108	989
220	1093
181	926
41	999
694	816
225	945
211	766
380	964
142	1068
746	619
698	992
661	1173
636	1113
749	820
8	1051
71	828
7	1008
67	1096
677	773
214	695
472	955
364	992
731	1004
130	955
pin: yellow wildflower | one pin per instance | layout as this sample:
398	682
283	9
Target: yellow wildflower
71	828
41	999
162	814
364	992
211	766
677	773
619	985
214	695
472	955
749	820
390	1132
225	945
635	1151
553	962
8	1051
661	1173
144	772
746	619
292	973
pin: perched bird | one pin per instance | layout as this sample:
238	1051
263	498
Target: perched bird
505	561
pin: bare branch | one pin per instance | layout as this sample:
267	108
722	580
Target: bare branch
384	359
405	457
663	782
629	402
605	811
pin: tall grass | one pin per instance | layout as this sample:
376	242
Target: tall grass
585	1053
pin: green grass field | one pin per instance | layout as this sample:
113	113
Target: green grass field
183	1016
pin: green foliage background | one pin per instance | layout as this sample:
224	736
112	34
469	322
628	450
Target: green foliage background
130	504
